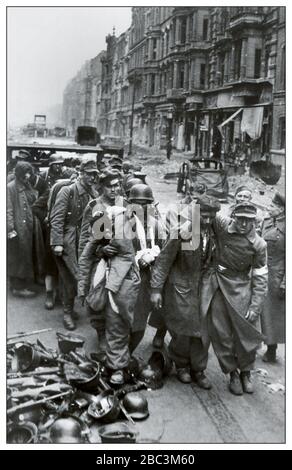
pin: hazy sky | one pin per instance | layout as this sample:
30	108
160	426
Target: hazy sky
47	46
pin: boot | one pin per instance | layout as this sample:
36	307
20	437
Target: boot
68	320
158	339
270	354
183	375
201	380
235	386
50	300
246	382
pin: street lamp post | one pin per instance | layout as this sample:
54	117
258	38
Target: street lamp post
132	116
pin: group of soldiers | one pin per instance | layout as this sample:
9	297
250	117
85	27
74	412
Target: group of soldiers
97	233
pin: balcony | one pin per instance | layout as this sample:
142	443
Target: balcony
222	38
135	73
151	100
175	94
246	16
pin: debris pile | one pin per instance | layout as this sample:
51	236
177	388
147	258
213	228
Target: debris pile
63	396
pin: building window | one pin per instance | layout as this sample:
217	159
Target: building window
205	29
152	84
282	132
183	30
191	25
154	53
283	67
237	58
202	75
181	75
257	63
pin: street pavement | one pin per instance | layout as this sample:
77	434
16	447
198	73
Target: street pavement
179	413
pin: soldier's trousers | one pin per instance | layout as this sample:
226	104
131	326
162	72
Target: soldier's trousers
67	281
225	342
117	335
188	351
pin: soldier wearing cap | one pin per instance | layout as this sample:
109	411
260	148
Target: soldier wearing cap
175	282
243	194
273	316
233	293
65	222
20	198
110	196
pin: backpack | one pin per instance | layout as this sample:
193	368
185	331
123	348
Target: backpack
53	195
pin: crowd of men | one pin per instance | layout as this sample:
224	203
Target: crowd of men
95	233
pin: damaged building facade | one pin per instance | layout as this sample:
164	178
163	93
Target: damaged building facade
212	79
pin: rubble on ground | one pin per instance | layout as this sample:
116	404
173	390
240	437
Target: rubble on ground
64	395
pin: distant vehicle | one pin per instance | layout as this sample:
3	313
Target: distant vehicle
40	152
205	171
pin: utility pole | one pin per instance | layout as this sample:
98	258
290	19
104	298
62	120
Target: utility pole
132	116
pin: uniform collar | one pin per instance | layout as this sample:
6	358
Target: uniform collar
20	186
81	189
251	236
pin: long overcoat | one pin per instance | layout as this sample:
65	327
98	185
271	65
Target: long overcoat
176	273
65	221
240	272
20	218
273	316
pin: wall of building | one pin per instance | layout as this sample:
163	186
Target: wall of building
180	70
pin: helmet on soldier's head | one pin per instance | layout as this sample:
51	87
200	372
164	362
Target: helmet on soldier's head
136	405
141	192
130	183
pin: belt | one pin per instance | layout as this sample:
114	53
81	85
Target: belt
229	271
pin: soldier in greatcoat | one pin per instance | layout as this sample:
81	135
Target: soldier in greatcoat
273	316
65	223
176	283
233	293
20	198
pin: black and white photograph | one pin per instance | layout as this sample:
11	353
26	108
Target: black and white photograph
145	225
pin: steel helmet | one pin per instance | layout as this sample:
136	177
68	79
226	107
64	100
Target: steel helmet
22	433
151	378
117	432
66	430
106	408
136	405
131	182
160	360
141	191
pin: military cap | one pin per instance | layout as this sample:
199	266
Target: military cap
23	154
279	199
246	209
89	167
116	161
55	160
140	175
208	203
109	177
127	166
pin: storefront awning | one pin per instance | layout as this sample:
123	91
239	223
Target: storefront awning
233	116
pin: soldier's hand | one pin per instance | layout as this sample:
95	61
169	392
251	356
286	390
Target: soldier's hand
109	251
58	250
251	316
281	293
156	300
